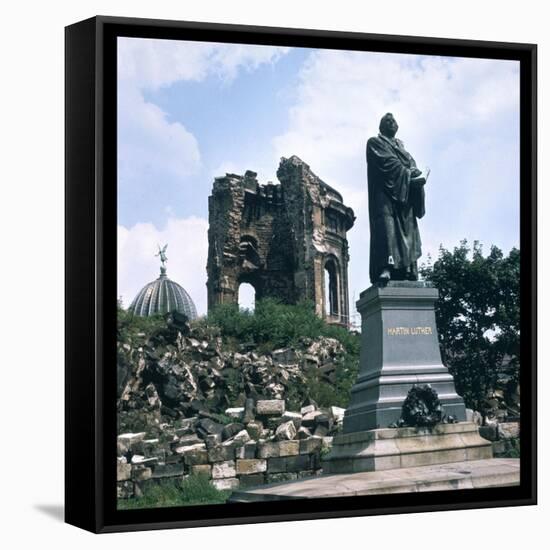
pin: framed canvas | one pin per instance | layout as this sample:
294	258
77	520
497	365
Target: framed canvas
274	309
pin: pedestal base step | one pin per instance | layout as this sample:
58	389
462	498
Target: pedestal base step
392	448
472	474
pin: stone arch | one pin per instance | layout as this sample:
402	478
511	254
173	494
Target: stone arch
246	295
332	298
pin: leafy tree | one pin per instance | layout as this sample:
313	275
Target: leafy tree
478	316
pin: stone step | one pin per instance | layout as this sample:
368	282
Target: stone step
473	474
396	448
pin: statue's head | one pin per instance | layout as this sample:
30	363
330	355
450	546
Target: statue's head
388	126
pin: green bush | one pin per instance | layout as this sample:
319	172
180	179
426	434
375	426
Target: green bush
193	490
275	325
130	326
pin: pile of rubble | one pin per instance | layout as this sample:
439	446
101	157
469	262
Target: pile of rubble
260	442
503	430
181	372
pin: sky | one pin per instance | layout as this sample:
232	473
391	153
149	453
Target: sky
190	111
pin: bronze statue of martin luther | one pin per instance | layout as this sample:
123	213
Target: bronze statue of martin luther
396	200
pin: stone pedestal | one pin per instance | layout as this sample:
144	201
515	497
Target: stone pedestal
399	348
393	448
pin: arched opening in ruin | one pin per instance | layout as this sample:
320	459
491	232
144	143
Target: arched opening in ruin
247	296
331	288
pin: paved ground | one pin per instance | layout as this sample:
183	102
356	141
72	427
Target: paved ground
494	472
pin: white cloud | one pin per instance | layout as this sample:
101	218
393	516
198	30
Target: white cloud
152	63
342	96
151	147
187	254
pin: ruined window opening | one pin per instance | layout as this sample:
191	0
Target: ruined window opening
247	296
331	289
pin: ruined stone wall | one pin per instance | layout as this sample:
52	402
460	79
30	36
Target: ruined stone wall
264	443
280	238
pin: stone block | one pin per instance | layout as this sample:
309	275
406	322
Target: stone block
489	432
249	410
276	465
148	448
270	407
307	409
309	419
125	441
273	422
338	414
248	450
315	461
479	453
211	440
289	448
286	431
297	463
202	469
324	420
141	473
254	429
186	426
235	412
224	470
303	433
251	466
225	484
508	430
320	431
185	441
281	477
221	453
123	471
241	438
251	480
231	429
168	470
278	448
206	426
185	449
139	459
196	456
295	417
311	445
268	449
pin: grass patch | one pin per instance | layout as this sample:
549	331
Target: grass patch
194	490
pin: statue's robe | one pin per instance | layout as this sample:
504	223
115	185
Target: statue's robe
394	206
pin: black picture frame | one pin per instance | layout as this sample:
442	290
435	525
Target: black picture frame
90	369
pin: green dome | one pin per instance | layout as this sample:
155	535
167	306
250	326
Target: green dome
163	296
